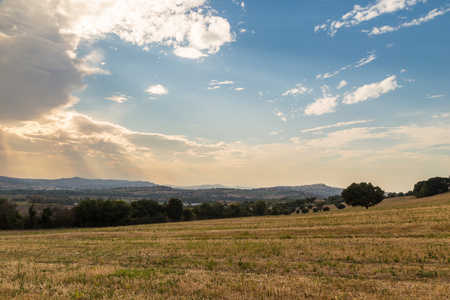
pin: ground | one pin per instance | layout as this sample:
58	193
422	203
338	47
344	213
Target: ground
398	249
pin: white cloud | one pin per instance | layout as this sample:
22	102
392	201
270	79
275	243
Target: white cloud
363	61
434	96
371	91
366	60
214	87
216	82
39	40
441	116
340	124
157	89
239	89
298	90
119	98
342	84
416	22
189	52
361	14
282	116
324	105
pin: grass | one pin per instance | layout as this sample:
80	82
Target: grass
398	249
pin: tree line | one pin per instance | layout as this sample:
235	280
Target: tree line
100	212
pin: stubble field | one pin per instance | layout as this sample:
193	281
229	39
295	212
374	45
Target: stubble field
396	250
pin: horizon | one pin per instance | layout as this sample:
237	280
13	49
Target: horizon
234	93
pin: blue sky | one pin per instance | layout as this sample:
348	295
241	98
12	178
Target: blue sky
248	93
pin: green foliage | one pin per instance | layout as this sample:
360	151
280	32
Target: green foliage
174	209
326	208
432	186
260	208
9	216
305	210
340	205
187	214
362	194
316	209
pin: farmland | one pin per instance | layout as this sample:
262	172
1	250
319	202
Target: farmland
397	249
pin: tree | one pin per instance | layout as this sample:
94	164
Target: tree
432	186
260	208
362	194
9	216
174	209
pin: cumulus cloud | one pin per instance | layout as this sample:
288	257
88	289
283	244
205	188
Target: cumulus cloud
157	89
361	14
324	105
79	143
371	91
39	39
342	84
282	116
119	98
298	90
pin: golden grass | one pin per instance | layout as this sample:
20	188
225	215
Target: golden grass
396	250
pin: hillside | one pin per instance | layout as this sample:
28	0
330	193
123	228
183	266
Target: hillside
142	189
75	183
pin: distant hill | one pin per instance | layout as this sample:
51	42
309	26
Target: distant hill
75	183
143	189
209	186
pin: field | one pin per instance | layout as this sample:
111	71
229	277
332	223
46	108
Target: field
396	250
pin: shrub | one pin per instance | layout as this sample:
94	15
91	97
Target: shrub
305	210
340	206
316	209
326	208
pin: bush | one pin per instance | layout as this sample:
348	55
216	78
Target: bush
316	209
326	208
305	210
340	206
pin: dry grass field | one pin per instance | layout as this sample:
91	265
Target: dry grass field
399	249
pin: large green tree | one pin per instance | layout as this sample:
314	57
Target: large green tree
432	186
362	194
174	209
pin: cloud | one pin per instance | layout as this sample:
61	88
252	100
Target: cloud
361	14
215	84
441	116
416	22
371	91
119	98
434	96
340	124
342	84
363	61
86	146
157	89
189	52
282	116
239	89
366	60
298	90
39	39
324	105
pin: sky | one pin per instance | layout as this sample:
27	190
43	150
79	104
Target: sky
240	93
